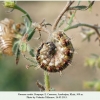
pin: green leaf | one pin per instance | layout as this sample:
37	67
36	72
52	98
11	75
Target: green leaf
52	89
23	46
27	23
17	54
48	24
30	33
97	86
29	30
62	22
90	8
16	51
30	50
93	84
79	7
15	46
90	62
89	84
94	55
31	60
83	7
18	36
0	54
70	21
88	38
88	34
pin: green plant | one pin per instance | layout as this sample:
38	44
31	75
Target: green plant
94	62
24	32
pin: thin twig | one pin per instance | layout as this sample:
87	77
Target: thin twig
40	86
66	8
82	24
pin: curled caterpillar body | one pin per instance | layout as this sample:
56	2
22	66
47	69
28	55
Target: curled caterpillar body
56	55
6	36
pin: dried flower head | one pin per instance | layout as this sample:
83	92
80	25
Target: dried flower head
9	3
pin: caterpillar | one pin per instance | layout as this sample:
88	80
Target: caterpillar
56	55
6	36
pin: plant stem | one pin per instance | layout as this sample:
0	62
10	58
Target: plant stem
40	86
82	24
46	81
19	8
66	8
